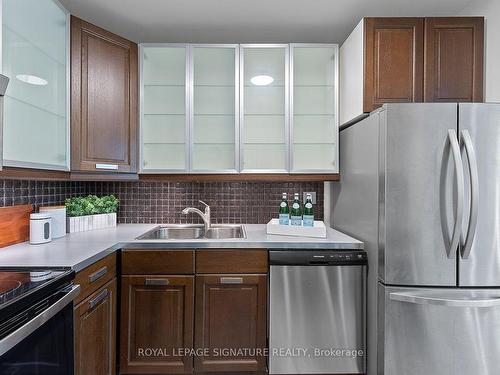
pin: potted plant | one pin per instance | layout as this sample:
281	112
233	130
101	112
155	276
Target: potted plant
90	212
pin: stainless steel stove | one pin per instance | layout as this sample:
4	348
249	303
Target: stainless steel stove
36	321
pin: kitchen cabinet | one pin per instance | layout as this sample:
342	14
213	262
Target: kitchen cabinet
156	324
314	108
36	110
394	52
212	109
231	316
207	299
103	100
405	60
164	107
157	311
231	309
454	59
189	108
95	276
95	317
95	332
264	108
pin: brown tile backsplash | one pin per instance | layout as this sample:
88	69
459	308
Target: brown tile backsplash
162	202
38	193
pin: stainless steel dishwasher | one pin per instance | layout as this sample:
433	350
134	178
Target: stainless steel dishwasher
317	305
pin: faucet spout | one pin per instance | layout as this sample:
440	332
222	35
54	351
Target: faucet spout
204	215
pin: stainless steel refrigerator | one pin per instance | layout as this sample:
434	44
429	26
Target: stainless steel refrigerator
420	185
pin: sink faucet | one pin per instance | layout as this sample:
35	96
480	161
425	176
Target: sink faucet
205	216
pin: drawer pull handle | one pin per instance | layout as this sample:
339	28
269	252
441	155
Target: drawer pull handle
112	167
98	274
98	299
157	282
231	280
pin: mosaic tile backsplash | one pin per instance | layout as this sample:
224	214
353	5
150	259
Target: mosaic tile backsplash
162	202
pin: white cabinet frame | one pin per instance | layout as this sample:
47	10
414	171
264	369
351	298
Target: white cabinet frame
286	47
335	105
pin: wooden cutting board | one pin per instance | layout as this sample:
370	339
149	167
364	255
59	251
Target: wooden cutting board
14	224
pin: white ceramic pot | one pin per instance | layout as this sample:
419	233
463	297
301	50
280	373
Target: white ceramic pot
90	222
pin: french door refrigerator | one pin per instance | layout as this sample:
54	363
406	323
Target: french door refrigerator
420	185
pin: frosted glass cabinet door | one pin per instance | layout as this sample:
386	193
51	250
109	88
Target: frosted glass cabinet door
164	108
34	57
314	124
214	94
264	97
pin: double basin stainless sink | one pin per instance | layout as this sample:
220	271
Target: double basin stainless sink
194	232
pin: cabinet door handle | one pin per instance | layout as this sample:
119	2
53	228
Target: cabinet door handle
157	282
113	167
98	299
98	274
231	280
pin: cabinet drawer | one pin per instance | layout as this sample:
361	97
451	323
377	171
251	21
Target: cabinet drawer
157	262
95	332
95	276
231	261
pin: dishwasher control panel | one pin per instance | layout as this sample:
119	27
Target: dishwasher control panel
317	258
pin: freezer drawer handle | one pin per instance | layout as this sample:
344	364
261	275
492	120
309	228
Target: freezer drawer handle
450	302
459	174
474	193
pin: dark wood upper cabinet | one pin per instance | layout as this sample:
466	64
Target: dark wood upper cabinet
407	60
230	314
95	332
103	100
156	321
394	49
454	48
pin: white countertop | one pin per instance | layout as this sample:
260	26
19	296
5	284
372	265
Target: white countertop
79	250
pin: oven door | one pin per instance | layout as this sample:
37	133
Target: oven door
44	344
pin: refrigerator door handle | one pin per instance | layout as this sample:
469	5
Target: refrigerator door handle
474	192
459	175
422	299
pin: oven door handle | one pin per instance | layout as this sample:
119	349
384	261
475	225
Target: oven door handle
14	338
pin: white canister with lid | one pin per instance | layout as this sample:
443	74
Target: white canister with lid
40	228
58	214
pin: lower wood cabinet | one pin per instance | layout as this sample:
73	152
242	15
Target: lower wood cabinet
202	312
95	332
230	316
156	321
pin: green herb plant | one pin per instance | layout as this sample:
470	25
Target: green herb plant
91	205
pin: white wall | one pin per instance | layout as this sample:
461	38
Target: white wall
490	9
